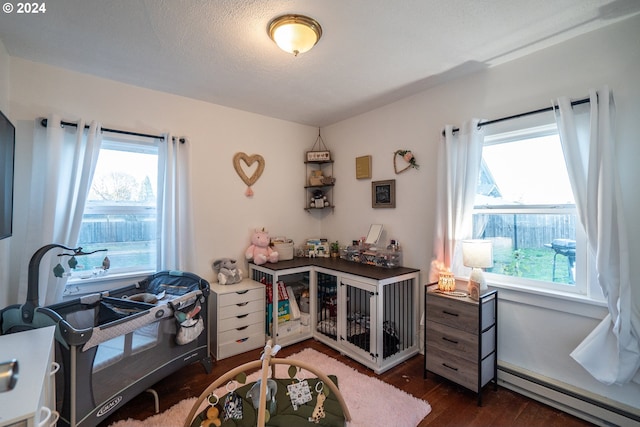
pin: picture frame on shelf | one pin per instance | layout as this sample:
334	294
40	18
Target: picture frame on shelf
318	156
383	194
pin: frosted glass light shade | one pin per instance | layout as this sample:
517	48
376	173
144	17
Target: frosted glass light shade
295	33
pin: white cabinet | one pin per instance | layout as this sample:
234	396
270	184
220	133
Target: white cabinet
32	401
238	323
368	313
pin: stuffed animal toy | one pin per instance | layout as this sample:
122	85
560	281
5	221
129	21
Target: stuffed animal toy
319	200
272	389
318	411
227	271
213	417
260	250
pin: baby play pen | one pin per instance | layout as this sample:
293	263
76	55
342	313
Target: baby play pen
113	345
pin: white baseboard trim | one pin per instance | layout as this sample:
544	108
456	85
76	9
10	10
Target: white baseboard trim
567	398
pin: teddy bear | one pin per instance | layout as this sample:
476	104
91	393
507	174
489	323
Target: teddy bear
260	250
227	271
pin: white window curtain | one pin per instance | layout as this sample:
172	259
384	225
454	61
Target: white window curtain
175	244
459	160
611	352
63	162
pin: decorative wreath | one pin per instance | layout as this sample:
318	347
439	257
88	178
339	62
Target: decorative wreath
408	157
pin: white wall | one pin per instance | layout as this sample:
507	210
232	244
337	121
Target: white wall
536	333
223	216
5	244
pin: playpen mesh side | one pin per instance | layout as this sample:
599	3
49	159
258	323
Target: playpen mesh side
124	366
112	367
136	355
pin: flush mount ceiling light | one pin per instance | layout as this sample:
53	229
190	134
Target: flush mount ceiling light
295	33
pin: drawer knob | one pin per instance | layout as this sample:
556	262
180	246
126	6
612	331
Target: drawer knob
242	292
242	304
450	313
241	328
241	316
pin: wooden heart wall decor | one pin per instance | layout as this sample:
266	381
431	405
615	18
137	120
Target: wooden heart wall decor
248	161
406	156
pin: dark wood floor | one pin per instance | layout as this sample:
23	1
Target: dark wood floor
451	405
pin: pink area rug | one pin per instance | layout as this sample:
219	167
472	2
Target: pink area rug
371	402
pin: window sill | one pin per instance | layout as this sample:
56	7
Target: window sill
555	300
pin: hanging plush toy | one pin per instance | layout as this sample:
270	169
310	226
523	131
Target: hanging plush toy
213	417
260	250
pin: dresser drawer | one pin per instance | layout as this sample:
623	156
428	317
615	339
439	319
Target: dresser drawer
461	343
453	313
239	297
241	345
240	321
459	370
453	367
240	333
240	309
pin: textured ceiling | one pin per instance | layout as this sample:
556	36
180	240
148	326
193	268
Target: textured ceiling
372	52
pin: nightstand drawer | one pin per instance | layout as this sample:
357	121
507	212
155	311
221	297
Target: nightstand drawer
453	313
455	341
241	345
240	309
455	368
242	320
459	370
240	297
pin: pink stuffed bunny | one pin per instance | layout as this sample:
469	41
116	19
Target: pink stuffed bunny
260	250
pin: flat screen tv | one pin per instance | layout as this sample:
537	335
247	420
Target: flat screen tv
7	149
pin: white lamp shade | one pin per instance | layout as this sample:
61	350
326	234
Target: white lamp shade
477	253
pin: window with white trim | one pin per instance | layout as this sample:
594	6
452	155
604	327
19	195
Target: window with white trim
121	213
524	204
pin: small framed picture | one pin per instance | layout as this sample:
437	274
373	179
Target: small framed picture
383	194
363	167
318	156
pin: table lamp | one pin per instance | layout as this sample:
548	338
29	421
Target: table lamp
477	254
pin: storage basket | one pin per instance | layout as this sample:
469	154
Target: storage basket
284	249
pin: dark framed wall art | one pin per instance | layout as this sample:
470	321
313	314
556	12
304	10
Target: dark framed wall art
383	194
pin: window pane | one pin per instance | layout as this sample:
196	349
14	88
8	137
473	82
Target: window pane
524	172
120	214
534	246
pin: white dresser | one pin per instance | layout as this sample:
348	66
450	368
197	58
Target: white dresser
238	319
32	401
